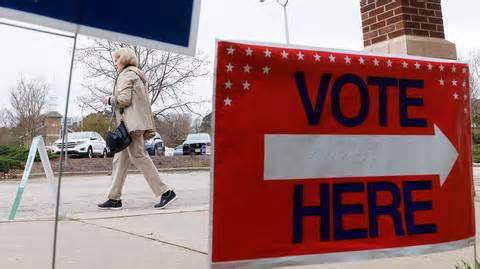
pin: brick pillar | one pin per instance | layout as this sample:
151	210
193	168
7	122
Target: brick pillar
413	27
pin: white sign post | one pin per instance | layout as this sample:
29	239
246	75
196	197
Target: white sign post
37	145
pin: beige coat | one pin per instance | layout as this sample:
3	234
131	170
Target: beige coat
130	94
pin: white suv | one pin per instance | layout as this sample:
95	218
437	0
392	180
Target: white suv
88	144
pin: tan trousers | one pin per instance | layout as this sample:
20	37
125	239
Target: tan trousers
135	153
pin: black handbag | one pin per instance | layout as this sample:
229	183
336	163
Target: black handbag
119	139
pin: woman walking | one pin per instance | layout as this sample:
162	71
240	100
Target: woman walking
130	103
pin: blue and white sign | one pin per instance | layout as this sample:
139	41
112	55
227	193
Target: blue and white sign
161	24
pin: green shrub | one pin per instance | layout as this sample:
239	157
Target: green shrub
20	153
476	153
476	138
7	164
14	157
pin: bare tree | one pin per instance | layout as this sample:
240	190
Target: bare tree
206	126
174	128
5	118
473	60
168	75
197	125
28	100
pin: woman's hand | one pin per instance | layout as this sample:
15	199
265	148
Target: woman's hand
105	99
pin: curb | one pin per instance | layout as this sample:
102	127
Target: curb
124	213
109	172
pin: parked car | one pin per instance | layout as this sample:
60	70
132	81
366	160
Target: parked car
178	151
194	144
83	144
155	146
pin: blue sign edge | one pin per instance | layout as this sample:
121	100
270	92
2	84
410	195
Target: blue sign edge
110	35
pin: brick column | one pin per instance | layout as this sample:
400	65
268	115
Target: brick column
413	27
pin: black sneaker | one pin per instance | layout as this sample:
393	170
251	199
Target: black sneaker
111	204
166	199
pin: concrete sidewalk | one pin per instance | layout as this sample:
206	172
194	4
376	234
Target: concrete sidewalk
148	239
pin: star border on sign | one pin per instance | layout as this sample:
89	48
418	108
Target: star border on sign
248	52
300	56
227	101
229	67
246	85
284	55
247	68
266	70
228	84
348	60
332	58
230	50
268	53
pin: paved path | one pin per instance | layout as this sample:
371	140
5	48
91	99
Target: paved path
81	194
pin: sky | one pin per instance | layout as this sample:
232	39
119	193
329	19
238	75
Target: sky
325	24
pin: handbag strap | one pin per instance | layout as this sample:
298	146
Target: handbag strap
115	103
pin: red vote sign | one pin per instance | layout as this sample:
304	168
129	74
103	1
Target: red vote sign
324	156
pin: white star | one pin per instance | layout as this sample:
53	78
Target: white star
230	50
455	95
247	68
430	67
249	51
464	70
464	84
332	58
317	57
442	82
266	70
300	55
465	97
228	101
228	85
405	64
246	85
268	53
229	67
454	69
417	65
348	60
454	82
466	111
389	63
376	62
442	68
284	55
361	60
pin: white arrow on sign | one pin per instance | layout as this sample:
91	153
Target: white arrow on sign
343	156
